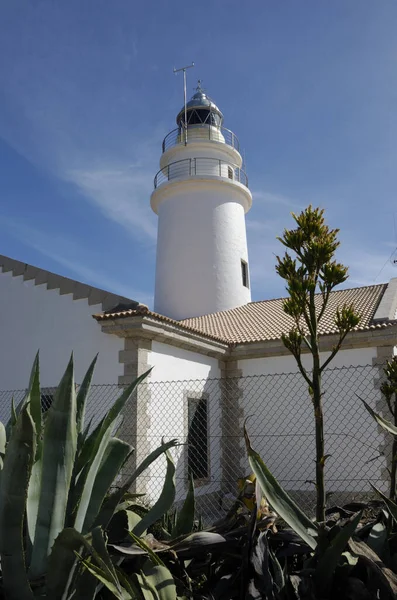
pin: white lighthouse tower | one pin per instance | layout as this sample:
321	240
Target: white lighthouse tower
201	196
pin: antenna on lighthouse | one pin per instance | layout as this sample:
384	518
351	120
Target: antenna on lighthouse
184	93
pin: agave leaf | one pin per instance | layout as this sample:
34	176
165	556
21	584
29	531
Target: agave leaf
384	423
130	585
14	416
110	506
87	585
261	584
377	539
32	503
203	542
386	578
143	545
33	499
157	582
164	502
122	522
62	563
82	396
390	505
185	517
117	590
59	448
278	574
98	450
279	499
3	443
115	456
329	560
18	462
87	443
33	387
35	400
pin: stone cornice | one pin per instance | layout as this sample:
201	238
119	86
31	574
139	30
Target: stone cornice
146	327
386	336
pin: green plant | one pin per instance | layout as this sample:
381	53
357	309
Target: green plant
311	276
389	390
340	556
54	491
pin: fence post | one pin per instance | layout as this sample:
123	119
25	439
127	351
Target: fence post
231	426
136	418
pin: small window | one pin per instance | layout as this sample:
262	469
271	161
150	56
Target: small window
230	172
197	439
244	273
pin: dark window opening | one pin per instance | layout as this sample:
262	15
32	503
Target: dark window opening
244	273
197	439
230	172
203	116
46	401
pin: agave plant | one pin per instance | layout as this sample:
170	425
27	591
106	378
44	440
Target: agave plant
55	503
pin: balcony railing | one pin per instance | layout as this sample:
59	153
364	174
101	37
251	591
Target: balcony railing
202	132
189	167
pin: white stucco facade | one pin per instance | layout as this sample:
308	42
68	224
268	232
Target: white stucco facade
35	318
201	243
281	425
179	375
271	365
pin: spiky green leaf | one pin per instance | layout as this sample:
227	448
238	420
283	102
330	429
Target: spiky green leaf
278	497
110	506
185	517
82	396
98	451
384	423
329	560
115	456
18	463
59	448
164	502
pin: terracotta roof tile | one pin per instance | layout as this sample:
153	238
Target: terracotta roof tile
266	320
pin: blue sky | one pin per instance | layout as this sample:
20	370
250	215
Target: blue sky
87	94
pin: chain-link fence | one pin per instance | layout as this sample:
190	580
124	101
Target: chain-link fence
207	417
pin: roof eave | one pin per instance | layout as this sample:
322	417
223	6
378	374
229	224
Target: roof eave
145	326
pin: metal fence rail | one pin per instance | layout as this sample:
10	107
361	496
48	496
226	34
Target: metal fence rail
207	417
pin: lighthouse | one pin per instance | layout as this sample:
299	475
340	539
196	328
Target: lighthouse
201	197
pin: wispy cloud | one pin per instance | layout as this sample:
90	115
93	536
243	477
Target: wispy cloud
265	198
122	194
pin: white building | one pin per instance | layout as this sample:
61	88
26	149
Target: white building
204	331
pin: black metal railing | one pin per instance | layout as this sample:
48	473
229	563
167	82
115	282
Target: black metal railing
217	134
190	167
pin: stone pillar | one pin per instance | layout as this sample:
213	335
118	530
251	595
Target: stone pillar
232	415
136	419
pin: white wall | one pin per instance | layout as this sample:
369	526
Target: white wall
201	242
178	373
281	425
32	318
287	364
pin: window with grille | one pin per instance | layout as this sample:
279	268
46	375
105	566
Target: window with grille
197	439
46	400
244	274
230	172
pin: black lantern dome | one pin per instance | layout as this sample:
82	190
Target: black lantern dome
201	110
